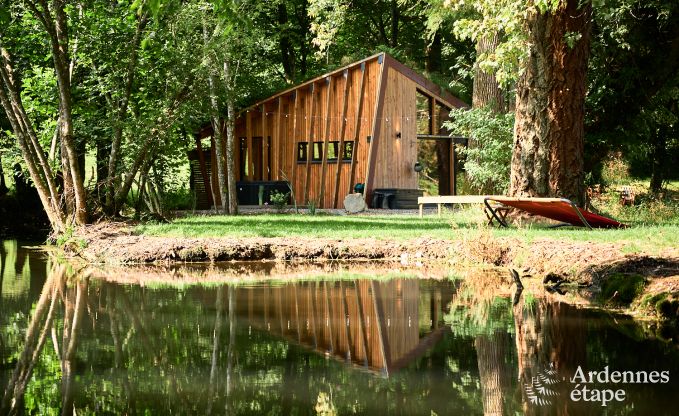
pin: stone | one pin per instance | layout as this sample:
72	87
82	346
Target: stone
354	203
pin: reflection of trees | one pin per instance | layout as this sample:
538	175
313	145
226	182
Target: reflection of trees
40	325
546	333
478	312
549	333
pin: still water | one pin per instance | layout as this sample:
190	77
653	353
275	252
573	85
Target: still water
332	345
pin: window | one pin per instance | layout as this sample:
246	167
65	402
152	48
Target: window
348	150
317	156
333	151
301	152
317	151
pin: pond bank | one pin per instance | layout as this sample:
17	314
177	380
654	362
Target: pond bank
578	261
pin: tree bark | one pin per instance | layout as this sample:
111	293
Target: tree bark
216	131
547	159
34	157
59	41
487	92
284	44
231	146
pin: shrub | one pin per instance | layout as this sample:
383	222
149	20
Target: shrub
489	155
279	200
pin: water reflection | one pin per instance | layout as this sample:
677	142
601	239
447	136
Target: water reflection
342	346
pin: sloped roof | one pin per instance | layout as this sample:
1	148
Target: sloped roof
426	85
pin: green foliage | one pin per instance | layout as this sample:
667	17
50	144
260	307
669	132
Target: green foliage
312	205
279	200
488	157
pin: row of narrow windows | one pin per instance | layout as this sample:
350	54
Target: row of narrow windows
334	151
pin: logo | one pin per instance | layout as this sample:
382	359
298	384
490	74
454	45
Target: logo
582	386
542	388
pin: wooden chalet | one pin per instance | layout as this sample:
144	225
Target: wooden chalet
360	124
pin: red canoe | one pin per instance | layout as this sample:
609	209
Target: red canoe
559	209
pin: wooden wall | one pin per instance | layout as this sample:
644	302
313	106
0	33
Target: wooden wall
314	112
396	156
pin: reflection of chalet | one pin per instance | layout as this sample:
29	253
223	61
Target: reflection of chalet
380	326
359	124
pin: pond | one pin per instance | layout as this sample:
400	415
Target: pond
338	343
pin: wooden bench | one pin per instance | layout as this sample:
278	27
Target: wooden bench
449	199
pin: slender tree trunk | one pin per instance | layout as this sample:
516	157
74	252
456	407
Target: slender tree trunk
216	130
547	159
216	337
3	186
395	20
487	92
232	345
60	56
284	44
658	156
120	111
231	145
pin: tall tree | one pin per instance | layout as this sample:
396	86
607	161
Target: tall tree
547	47
68	205
549	132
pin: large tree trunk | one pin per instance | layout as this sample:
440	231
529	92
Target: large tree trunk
547	159
487	92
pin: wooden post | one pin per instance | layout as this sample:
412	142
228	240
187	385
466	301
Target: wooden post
453	185
433	121
357	127
377	127
248	135
295	143
265	146
326	141
343	129
421	210
310	145
278	148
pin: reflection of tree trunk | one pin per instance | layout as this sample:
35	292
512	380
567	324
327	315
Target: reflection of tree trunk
12	399
215	348
117	345
491	351
232	344
527	329
69	349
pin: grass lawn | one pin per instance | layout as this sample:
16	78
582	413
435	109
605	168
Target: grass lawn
452	225
654	224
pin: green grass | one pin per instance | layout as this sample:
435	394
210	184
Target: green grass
451	226
654	224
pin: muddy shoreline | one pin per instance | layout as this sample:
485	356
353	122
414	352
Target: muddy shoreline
578	261
602	272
